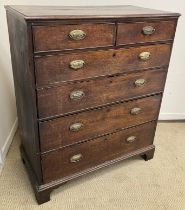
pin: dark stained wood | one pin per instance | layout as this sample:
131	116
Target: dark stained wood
57	37
21	55
117	143
129	33
41	196
148	155
42	191
56	133
38	13
95	152
56	100
59	161
41	52
54	69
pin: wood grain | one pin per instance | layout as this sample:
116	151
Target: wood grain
56	133
56	100
41	52
95	152
55	69
38	13
129	33
23	72
57	37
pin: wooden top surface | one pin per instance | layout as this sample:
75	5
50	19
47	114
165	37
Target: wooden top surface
84	12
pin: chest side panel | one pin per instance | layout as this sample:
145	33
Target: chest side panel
21	55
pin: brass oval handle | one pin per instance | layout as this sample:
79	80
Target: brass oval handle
140	82
148	30
76	158
76	95
77	34
131	139
76	126
135	111
77	64
145	56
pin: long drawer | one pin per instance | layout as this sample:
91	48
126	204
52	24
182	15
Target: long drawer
74	159
72	97
87	125
53	69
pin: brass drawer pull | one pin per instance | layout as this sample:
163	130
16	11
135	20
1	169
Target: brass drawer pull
148	30
145	56
140	82
77	34
76	95
76	126
77	64
135	111
76	158
131	139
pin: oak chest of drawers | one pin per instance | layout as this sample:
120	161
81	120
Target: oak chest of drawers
88	84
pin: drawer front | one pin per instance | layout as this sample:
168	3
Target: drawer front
61	37
74	159
72	97
86	125
130	140
57	68
129	33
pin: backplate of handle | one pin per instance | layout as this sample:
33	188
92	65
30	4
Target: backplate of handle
144	56
76	158
148	30
135	110
131	139
140	82
77	94
76	126
76	64
77	34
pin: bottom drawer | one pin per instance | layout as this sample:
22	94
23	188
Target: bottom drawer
73	159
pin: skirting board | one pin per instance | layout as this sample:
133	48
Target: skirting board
7	144
172	116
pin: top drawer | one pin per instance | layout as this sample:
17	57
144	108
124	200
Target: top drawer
60	37
139	32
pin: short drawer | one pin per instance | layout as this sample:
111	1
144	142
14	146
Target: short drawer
83	65
74	159
139	32
63	37
73	97
87	125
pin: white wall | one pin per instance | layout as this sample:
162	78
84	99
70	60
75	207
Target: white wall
173	106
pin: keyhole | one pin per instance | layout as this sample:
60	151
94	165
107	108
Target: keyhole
114	54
